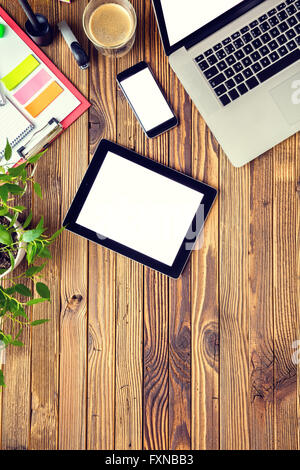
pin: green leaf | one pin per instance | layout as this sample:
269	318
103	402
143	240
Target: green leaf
38	190
13	306
19	208
14	188
5	236
39	322
12	260
21	312
16	171
30	253
15	342
36	157
31	235
10	290
2	383
56	234
3	210
44	253
7	151
19	333
35	301
28	220
23	290
34	270
43	290
3	192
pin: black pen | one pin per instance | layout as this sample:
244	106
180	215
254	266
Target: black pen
78	52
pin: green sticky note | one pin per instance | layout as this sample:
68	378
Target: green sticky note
18	74
2	30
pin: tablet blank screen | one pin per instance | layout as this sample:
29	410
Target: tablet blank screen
139	208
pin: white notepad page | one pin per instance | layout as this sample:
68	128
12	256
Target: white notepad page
13	126
139	208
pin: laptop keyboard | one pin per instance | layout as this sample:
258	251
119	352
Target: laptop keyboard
253	54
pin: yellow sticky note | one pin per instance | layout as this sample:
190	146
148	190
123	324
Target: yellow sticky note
44	99
18	74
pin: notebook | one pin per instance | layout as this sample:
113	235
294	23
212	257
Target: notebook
14	126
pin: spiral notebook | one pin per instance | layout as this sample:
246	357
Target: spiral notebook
14	126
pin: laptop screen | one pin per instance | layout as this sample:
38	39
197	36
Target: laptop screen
184	17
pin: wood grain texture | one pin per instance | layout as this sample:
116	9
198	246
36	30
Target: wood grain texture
234	305
102	273
132	359
205	299
73	322
285	309
261	331
156	292
180	158
129	286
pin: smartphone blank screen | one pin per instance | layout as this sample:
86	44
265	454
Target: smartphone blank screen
147	99
139	208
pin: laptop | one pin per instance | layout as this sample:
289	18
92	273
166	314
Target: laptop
240	63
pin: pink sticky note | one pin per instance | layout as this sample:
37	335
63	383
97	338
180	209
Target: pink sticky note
32	87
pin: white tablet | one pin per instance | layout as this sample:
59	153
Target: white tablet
140	208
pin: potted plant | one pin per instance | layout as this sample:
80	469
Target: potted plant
18	241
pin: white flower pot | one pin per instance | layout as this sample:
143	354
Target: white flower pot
21	252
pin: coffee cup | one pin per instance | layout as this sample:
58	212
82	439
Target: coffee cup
111	26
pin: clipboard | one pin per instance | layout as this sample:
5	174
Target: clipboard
46	132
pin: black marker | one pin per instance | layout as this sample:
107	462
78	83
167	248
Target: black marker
81	57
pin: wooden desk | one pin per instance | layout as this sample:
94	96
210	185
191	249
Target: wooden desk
130	358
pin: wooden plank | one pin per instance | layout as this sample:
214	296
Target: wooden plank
285	298
45	339
101	339
204	299
297	358
129	286
156	286
16	395
74	256
179	290
261	330
234	305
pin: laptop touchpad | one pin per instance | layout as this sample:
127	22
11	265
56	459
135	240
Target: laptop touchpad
287	97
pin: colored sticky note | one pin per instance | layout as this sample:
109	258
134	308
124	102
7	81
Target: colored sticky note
44	99
35	84
2	30
18	74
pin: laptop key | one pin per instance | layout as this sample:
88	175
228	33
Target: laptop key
212	60
233	94
265	62
255	56
211	72
282	15
226	41
238	43
264	50
283	27
203	65
199	58
256	67
274	56
247	73
225	100
290	34
252	83
235	35
265	38
238	78
274	32
220	90
247	61
217	47
281	39
256	32
265	26
230	60
229	72
248	49
238	67
221	54
217	80
242	89
291	45
273	45
273	21
291	10
278	66
262	18
253	24
229	49
239	54
292	21
208	52
281	6
222	65
245	29
247	37
230	84
282	50
271	12
257	43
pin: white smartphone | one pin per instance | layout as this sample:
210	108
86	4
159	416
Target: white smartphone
147	99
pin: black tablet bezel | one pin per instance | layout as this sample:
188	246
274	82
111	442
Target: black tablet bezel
165	126
204	31
183	254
